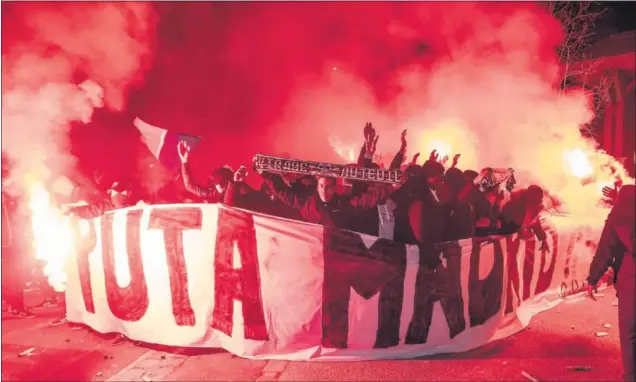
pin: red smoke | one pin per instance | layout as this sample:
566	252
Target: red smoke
47	49
482	78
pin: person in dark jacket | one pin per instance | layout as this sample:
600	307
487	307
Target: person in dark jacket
219	179
459	218
419	216
616	250
13	262
304	186
241	195
521	214
325	207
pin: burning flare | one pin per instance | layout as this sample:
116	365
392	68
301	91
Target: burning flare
53	236
579	163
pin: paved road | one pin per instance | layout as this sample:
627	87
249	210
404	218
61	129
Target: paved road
555	342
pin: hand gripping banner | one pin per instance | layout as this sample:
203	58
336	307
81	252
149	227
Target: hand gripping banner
267	163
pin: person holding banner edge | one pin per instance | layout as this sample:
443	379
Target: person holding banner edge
616	250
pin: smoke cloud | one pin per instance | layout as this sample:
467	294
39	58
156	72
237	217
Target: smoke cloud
48	49
484	86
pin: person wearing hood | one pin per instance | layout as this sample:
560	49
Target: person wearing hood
522	214
419	216
458	213
616	250
219	178
325	206
303	186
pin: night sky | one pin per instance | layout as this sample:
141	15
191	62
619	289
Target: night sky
619	17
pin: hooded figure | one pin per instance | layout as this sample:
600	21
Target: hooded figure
419	216
218	182
324	206
459	217
616	250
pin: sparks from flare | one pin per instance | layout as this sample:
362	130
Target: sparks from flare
52	236
579	163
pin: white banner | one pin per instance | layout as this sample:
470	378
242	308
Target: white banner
268	288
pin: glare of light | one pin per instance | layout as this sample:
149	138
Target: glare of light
52	235
442	147
579	163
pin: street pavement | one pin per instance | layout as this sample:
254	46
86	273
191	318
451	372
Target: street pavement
559	345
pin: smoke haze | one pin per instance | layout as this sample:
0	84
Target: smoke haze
47	50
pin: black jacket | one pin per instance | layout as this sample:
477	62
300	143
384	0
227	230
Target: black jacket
617	238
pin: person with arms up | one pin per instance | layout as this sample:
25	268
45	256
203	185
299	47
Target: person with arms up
616	250
325	206
219	178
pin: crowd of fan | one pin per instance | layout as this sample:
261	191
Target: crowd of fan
433	204
436	202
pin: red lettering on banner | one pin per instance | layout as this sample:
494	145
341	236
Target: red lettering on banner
485	295
237	228
349	264
85	245
130	302
513	284
528	267
173	221
545	278
442	284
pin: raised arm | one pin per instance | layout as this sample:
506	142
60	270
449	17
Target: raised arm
282	191
208	193
398	159
369	198
365	159
237	188
92	210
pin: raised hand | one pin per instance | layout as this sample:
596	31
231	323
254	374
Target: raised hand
444	160
254	168
610	193
240	174
184	151
591	289
368	129
434	156
403	138
370	139
455	160
414	160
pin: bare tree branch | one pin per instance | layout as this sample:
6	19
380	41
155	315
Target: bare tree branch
578	20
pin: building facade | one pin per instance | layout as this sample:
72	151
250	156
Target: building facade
612	63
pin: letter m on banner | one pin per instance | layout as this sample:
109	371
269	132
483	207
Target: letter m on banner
351	264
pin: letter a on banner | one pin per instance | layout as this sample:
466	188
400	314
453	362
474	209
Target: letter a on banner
237	281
